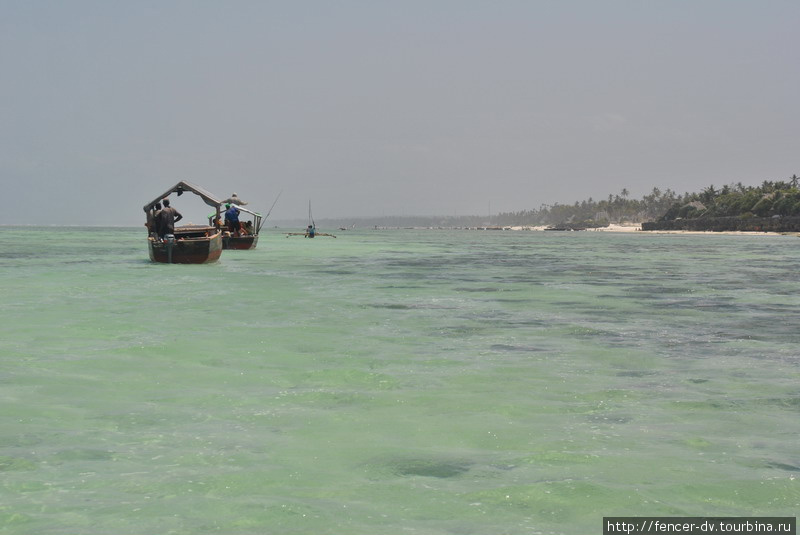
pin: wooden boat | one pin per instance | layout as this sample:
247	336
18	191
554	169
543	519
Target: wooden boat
193	244
245	239
248	237
239	242
189	244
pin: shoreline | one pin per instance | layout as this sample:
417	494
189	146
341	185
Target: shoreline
638	228
614	228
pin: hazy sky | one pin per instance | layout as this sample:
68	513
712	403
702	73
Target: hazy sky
403	107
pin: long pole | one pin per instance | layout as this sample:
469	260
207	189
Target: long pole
263	220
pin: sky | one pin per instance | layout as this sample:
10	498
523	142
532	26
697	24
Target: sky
370	107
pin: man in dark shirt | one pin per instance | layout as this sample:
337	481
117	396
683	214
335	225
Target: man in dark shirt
167	219
232	218
152	220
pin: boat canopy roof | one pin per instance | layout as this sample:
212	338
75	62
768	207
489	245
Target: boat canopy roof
181	187
240	208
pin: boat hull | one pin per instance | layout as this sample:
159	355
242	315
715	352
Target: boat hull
239	242
186	250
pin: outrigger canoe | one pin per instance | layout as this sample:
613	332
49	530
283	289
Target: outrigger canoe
311	229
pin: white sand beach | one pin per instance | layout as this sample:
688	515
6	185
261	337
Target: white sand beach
637	227
633	227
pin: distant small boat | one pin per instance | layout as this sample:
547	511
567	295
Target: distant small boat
311	229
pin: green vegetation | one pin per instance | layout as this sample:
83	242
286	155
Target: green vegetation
590	213
737	200
767	200
780	198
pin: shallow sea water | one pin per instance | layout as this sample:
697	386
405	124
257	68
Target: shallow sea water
392	382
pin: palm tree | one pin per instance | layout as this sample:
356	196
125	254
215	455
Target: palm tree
708	194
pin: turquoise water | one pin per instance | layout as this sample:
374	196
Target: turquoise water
392	382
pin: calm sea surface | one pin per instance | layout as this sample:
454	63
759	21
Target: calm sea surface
393	382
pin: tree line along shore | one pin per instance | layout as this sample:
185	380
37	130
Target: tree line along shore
773	206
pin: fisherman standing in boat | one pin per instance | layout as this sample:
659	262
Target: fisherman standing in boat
166	220
232	218
157	220
152	220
